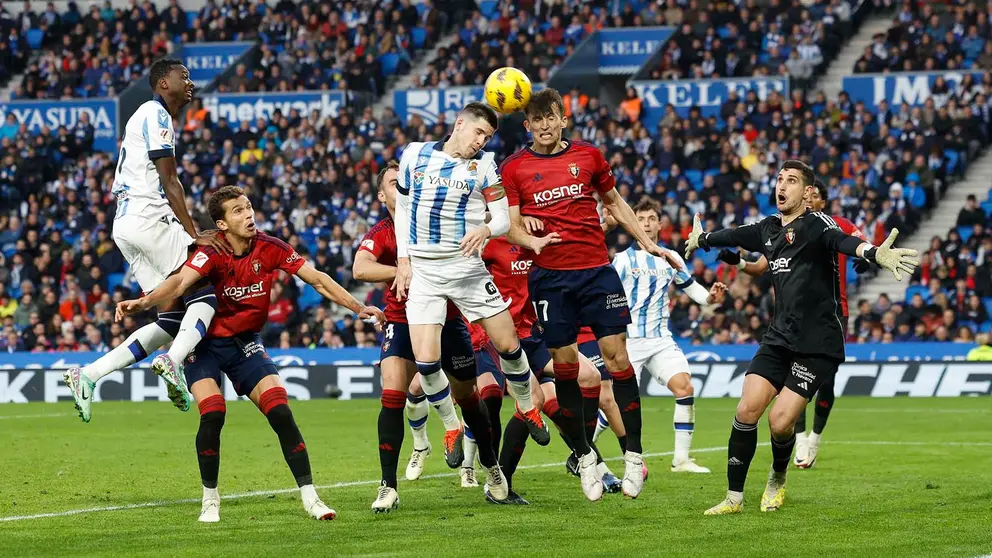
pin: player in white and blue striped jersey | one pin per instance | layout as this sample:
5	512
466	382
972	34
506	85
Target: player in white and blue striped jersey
650	344
443	191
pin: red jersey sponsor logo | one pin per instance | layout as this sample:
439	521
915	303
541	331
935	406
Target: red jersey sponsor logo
241	293
559	193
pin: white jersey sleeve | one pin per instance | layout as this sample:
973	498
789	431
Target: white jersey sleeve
148	135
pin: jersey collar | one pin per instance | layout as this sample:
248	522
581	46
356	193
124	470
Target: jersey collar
161	100
568	145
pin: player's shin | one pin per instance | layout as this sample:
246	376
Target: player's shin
200	309
274	404
492	396
517	371
628	398
136	347
438	391
390	434
740	451
821	410
570	404
213	410
684	422
514	442
590	409
416	415
477	419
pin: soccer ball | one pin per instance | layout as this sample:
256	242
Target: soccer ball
508	90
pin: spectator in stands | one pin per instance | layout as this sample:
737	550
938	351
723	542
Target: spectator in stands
971	214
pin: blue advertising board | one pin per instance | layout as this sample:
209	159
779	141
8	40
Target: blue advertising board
206	61
430	104
707	94
39	114
894	352
909	87
624	51
236	107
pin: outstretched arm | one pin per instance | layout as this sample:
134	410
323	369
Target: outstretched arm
624	215
519	232
896	260
754	269
367	268
331	290
745	236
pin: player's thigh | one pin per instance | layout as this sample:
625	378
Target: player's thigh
204	388
396	373
670	367
787	408
602	304
427	302
538	355
772	363
590	350
155	249
756	394
264	384
250	367
479	300
457	355
501	331
426	342
416	389
808	373
203	368
568	354
487	368
552	296
614	351
589	375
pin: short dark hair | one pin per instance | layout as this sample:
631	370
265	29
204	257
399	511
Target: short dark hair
648	204
482	111
805	170
821	188
215	205
160	69
545	101
390	164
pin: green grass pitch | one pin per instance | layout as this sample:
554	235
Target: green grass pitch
896	477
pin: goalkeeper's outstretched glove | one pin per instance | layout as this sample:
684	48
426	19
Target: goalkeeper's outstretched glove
696	238
896	260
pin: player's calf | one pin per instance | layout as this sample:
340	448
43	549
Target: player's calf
213	411
274	404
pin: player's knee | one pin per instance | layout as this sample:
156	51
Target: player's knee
461	389
781	423
170	322
606	398
213	411
681	386
274	404
749	412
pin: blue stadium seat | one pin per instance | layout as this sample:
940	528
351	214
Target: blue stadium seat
308	298
390	61
988	304
952	160
114	280
965	233
852	275
35	38
421	8
987	206
695	178
986	327
917	289
190	17
419	35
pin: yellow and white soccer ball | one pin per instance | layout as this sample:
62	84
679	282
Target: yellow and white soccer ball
508	90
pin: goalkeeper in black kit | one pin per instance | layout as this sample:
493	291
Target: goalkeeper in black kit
804	343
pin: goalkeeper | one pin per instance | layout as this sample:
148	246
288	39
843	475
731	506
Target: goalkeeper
808	446
804	343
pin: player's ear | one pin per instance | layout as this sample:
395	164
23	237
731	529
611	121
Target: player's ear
221	224
526	123
380	196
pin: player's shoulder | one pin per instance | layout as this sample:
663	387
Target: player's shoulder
385	228
582	146
417	147
819	219
268	242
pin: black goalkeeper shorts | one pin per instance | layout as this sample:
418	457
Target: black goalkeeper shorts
801	373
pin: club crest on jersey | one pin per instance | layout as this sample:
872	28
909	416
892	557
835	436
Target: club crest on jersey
418	177
473	167
790	235
573	169
256	266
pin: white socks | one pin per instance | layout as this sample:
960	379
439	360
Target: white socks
136	348
516	369
194	326
685	416
438	391
602	424
416	416
470	447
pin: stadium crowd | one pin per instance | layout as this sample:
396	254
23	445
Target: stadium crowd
310	180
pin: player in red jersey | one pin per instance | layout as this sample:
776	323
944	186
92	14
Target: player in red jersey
572	282
232	345
807	446
509	265
375	261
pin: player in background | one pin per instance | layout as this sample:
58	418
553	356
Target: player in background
652	348
155	233
375	261
804	344
509	266
444	190
572	282
808	446
233	346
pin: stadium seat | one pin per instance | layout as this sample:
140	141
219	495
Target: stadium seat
419	36
390	61
695	178
917	289
190	18
987	301
308	298
987	206
114	280
965	233
35	37
952	158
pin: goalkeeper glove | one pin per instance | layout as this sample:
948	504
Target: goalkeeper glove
896	260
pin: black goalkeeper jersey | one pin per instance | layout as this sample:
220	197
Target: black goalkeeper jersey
802	258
